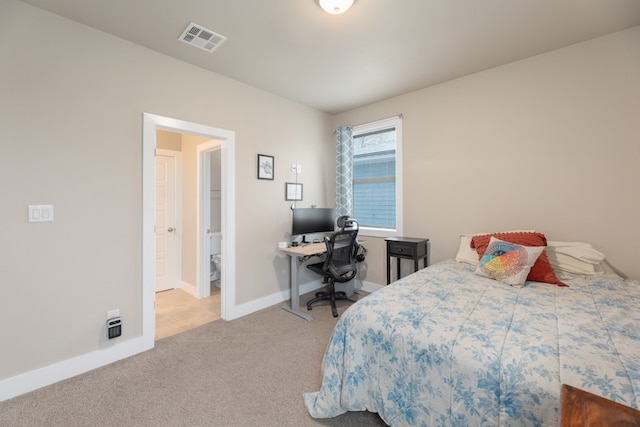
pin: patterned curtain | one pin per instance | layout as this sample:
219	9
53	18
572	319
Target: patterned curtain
344	171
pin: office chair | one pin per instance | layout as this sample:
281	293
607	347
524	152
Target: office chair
339	265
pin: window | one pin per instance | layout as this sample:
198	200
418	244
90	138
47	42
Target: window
377	178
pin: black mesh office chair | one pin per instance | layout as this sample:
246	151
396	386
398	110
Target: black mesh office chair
339	265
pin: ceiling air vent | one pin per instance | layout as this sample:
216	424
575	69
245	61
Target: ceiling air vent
198	36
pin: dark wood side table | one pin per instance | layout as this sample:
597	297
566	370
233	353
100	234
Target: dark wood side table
408	248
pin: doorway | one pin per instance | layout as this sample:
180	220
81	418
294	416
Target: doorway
226	138
179	304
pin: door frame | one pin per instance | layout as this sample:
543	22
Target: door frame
204	217
152	123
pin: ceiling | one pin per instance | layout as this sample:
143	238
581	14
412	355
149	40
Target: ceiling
376	50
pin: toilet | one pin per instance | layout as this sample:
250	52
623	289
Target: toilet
216	258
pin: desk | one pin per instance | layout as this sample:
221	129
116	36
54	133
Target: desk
408	248
296	256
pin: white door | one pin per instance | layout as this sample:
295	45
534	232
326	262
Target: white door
166	240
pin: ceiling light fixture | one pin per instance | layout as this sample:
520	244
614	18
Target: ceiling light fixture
335	7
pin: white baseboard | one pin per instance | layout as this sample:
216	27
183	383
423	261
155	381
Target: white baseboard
38	378
273	299
190	289
371	287
285	296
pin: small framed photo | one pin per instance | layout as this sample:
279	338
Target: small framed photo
293	191
265	166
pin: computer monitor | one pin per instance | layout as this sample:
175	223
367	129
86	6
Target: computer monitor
312	220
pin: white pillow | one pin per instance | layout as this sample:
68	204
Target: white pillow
583	252
576	257
466	253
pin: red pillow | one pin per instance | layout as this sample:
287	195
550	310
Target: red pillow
541	270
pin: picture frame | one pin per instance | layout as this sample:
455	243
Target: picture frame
293	191
266	167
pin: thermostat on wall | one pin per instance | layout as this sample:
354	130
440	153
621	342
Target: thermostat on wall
114	327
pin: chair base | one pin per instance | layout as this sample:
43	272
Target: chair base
330	296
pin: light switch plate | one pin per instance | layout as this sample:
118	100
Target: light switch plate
40	213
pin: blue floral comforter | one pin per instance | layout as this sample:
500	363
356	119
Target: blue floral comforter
446	347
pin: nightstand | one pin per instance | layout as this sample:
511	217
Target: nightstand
407	248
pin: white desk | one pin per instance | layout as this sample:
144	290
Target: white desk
296	254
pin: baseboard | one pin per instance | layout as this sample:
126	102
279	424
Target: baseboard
370	287
285	296
38	378
190	289
276	298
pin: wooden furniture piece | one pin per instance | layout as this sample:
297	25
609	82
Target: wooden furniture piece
407	248
583	409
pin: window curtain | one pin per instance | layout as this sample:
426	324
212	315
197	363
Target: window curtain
344	171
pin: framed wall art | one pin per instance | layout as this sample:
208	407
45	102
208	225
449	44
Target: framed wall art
265	166
293	191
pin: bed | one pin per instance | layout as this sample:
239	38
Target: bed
447	346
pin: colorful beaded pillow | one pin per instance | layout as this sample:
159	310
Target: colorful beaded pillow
541	270
507	262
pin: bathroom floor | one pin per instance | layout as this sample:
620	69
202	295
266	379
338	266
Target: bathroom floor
178	311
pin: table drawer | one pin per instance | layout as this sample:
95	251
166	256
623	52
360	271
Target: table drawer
400	249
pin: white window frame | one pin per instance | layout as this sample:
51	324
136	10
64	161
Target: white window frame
395	122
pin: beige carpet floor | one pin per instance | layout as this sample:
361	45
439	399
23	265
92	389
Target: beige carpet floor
248	372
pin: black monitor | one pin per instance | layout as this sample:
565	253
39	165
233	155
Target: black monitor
313	220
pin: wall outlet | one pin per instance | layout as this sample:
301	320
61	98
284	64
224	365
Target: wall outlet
295	167
113	313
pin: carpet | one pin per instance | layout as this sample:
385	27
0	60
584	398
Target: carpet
251	371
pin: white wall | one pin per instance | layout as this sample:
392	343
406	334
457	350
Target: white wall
550	143
71	130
